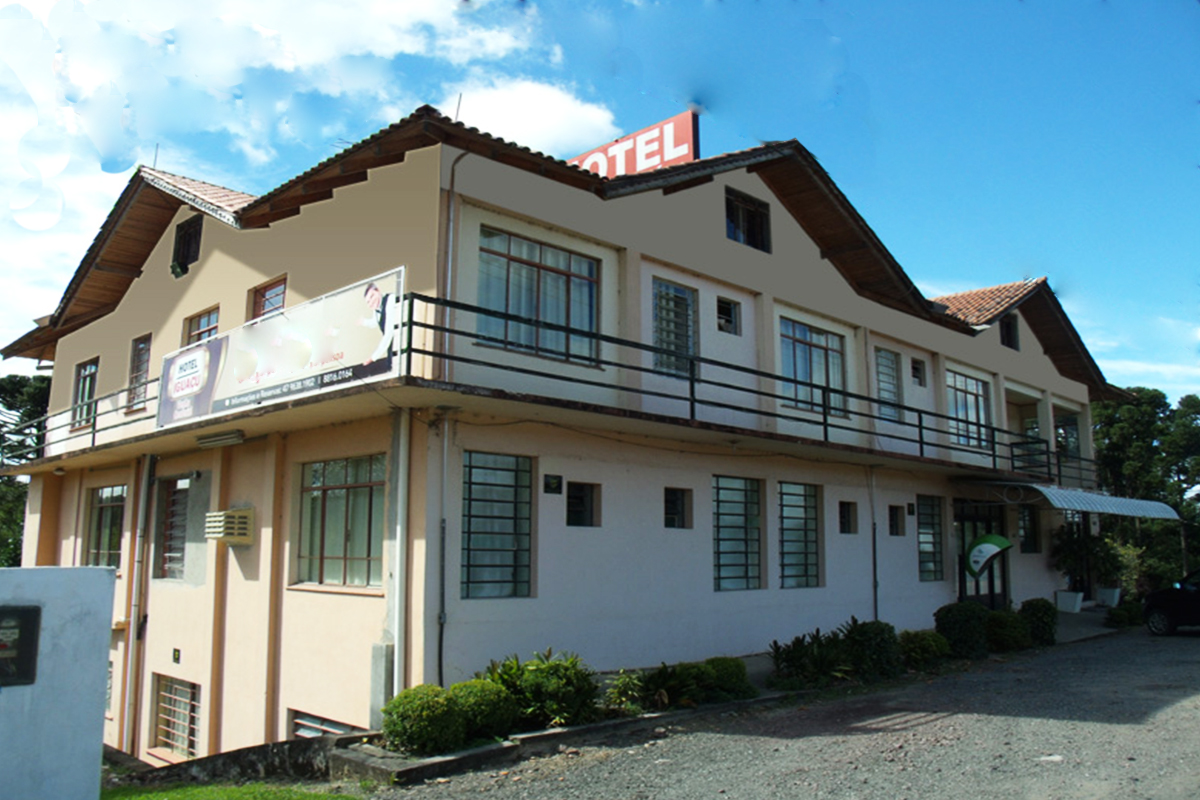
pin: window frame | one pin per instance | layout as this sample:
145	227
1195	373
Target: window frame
931	538
798	347
187	243
889	389
969	408
202	326
848	517
678	361
747	220
680	517
139	373
265	294
83	393
897	520
583	504
511	566
508	334
176	716
800	543
319	557
1010	331
729	316
1027	528
737	568
172	537
103	506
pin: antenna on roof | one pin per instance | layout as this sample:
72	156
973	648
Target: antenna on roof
458	107
155	156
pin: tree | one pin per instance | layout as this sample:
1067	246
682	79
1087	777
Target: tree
23	400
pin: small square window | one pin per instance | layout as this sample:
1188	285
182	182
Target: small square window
847	517
747	220
583	505
896	517
1010	331
729	316
200	327
918	372
268	298
677	508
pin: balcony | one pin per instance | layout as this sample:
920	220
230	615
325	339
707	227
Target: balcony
450	346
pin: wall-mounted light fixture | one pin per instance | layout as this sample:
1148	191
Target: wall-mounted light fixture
59	471
222	439
178	270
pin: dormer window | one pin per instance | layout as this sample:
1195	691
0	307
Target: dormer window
187	245
1010	329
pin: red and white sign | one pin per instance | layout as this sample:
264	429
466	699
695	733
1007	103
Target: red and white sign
665	144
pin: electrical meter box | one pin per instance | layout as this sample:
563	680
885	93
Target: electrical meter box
19	628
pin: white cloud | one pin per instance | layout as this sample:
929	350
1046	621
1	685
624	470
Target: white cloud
542	116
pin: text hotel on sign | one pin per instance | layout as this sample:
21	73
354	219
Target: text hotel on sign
672	141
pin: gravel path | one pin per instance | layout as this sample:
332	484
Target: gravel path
1110	717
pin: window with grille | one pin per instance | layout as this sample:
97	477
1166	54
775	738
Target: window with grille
139	373
202	326
969	405
174	528
930	538
737	533
887	380
83	408
310	726
541	284
268	298
799	536
674	328
747	220
497	525
177	720
815	362
341	521
106	521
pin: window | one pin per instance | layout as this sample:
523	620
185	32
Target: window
970	410
542	284
1027	531
177	720
174	528
583	505
106	523
139	373
918	372
737	534
929	538
497	525
187	245
747	220
799	536
341	521
847	517
677	508
83	409
729	316
1010	331
200	327
887	379
268	298
310	726
1066	435
674	328
815	360
896	521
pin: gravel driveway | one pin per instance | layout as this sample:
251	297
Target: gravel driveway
1117	716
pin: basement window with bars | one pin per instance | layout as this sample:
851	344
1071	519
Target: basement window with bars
310	726
737	533
177	716
497	525
341	521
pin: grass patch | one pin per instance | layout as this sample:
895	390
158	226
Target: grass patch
249	791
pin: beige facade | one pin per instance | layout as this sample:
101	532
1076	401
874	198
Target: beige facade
607	425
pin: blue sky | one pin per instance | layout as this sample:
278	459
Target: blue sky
984	142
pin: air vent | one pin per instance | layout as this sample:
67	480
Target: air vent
235	526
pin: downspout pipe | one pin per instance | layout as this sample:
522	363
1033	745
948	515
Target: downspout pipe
401	419
874	544
135	629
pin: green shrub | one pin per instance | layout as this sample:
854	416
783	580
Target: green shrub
550	690
922	650
965	627
1042	617
1127	614
488	709
732	682
1007	631
872	649
424	720
811	660
680	685
625	694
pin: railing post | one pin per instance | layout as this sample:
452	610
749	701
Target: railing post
408	336
692	387
921	433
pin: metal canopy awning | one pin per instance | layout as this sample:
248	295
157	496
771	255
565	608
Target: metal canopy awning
1097	503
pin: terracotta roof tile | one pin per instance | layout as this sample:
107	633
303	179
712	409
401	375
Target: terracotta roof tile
226	199
984	306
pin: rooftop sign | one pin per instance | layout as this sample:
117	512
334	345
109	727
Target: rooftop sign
665	144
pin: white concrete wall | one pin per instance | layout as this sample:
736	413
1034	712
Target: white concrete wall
51	731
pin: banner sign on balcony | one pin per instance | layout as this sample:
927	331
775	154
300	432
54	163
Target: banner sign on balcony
350	335
664	144
983	551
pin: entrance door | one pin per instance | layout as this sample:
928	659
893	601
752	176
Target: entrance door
971	520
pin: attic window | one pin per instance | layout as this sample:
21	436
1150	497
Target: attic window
187	245
1010	331
747	220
